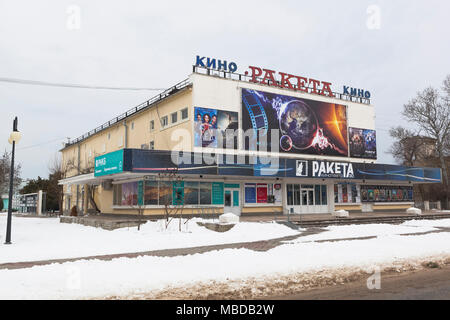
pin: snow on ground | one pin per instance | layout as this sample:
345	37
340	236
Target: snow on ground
46	238
125	276
444	223
378	230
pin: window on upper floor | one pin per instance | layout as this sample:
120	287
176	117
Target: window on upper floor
132	125
152	125
184	114
174	117
164	121
152	145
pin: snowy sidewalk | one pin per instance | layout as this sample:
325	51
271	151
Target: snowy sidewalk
264	245
336	253
35	239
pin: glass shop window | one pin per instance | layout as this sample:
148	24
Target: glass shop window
296	194
191	192
117	194
205	192
261	193
324	195
250	193
165	193
151	193
290	194
129	193
317	194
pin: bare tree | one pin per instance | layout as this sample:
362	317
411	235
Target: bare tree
408	146
5	169
430	112
140	210
90	189
173	205
58	171
446	89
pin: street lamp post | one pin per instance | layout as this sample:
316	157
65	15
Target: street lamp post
13	139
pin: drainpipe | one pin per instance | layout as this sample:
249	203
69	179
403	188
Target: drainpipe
125	143
78	172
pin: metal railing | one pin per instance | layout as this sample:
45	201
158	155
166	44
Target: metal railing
145	105
246	78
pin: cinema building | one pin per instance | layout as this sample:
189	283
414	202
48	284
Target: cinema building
256	142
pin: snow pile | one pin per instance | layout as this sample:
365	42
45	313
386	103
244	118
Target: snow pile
341	213
228	218
45	238
413	210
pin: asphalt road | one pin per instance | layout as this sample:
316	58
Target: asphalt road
429	284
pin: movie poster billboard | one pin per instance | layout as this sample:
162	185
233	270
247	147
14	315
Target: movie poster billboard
304	126
210	123
363	143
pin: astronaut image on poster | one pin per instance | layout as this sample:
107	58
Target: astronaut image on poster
210	123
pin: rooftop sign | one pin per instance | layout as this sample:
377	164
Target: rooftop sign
280	79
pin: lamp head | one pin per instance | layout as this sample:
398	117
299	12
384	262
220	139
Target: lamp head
15	134
15	137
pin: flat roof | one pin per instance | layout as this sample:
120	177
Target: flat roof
139	108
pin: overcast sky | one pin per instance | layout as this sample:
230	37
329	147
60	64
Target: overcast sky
154	43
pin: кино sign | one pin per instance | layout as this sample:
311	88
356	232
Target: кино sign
354	92
216	64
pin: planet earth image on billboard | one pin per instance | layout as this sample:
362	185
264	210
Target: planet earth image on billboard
305	126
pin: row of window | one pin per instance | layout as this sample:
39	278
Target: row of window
184	115
386	193
262	192
195	193
347	193
354	193
163	193
150	146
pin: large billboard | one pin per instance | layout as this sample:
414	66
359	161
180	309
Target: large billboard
304	126
210	123
363	143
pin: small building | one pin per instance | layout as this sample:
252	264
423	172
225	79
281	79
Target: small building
250	143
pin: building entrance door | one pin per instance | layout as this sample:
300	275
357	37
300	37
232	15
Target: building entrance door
307	204
305	198
231	201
